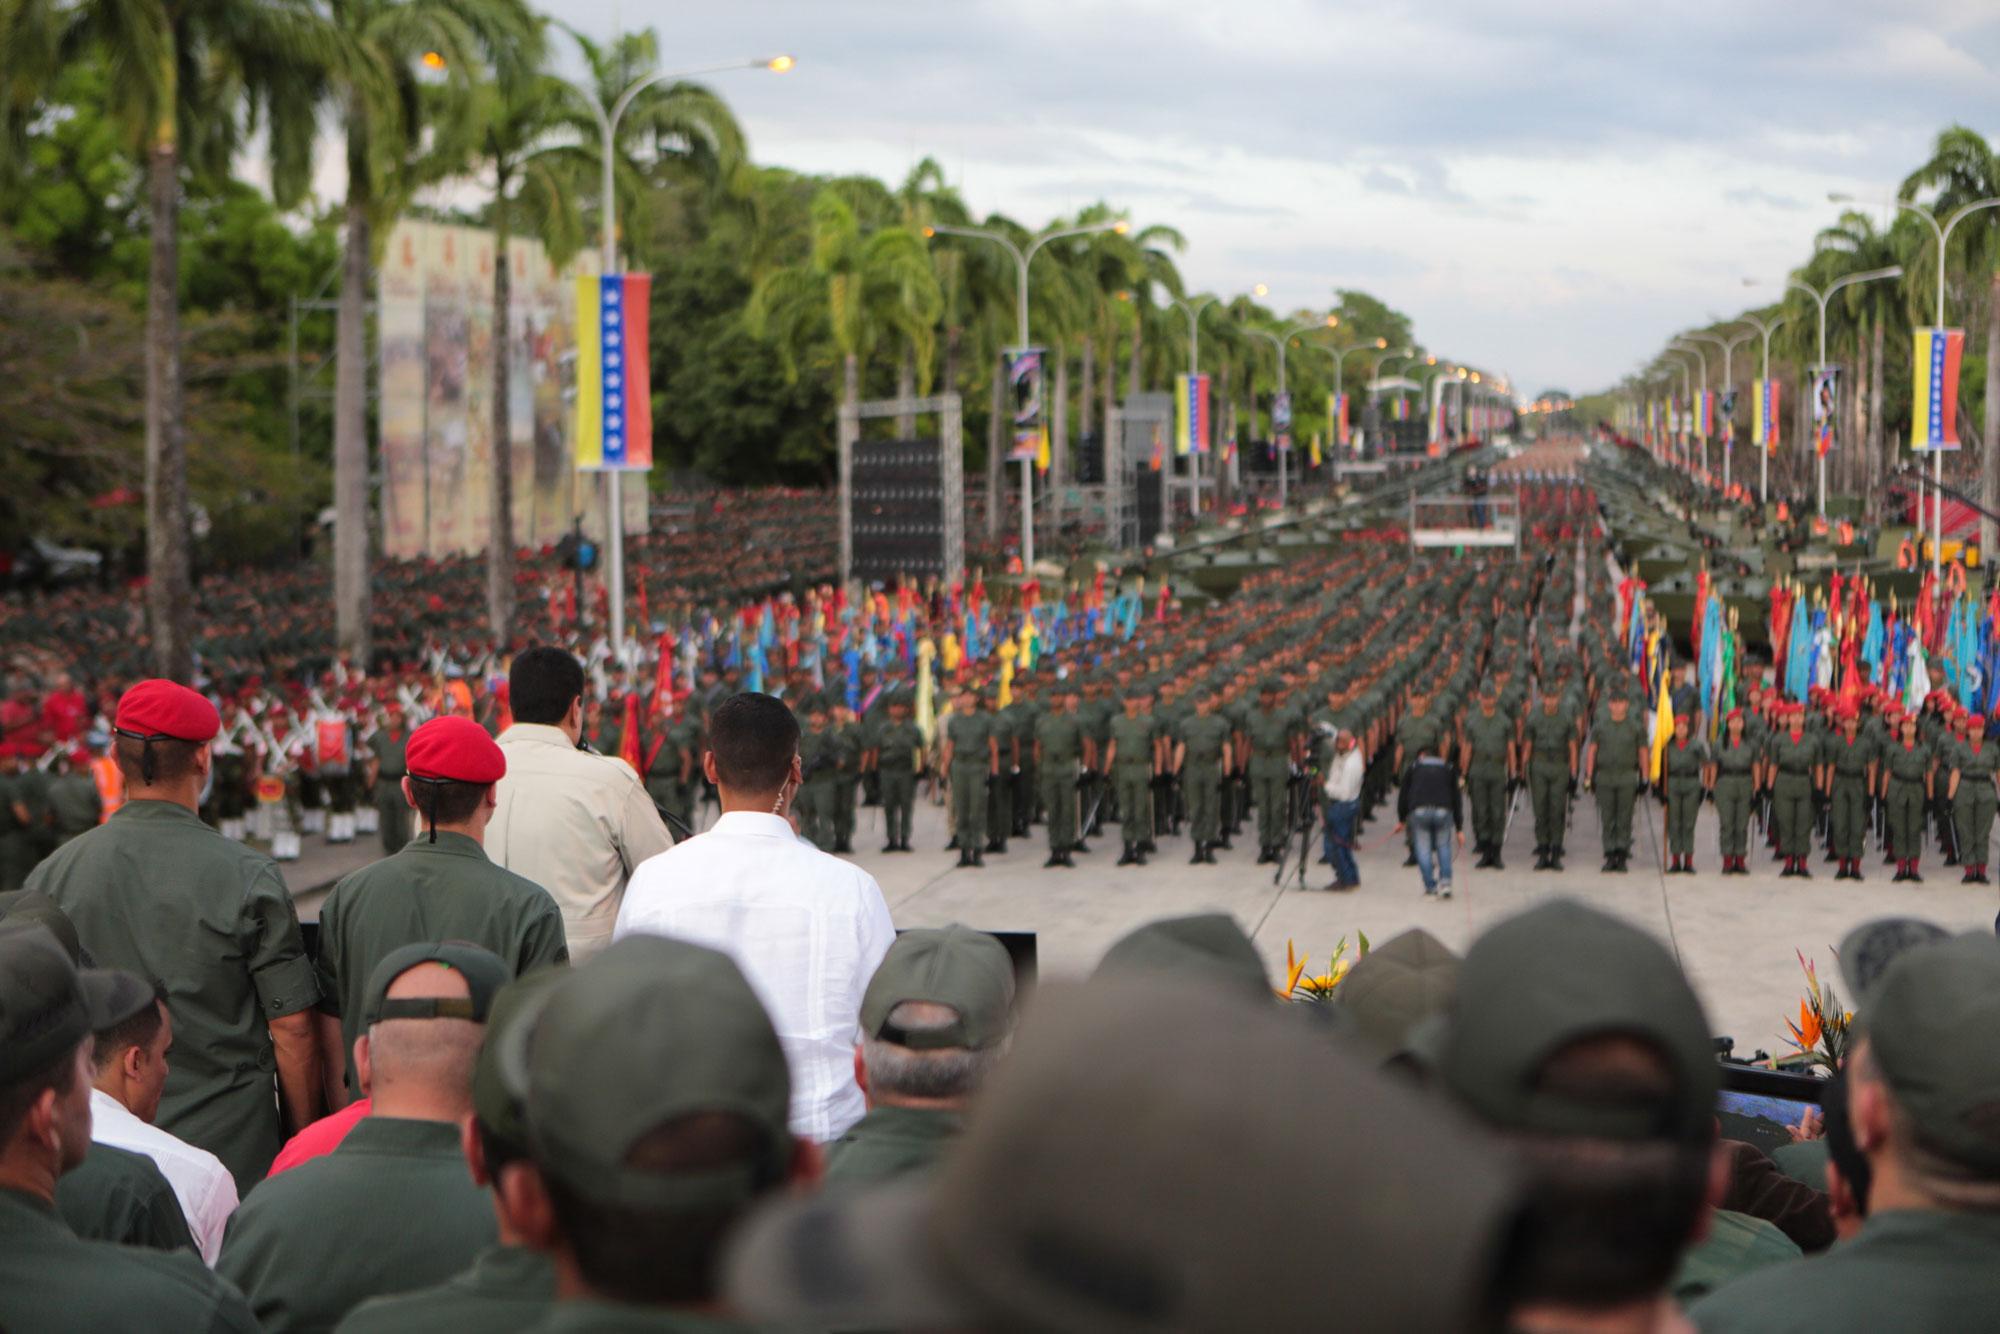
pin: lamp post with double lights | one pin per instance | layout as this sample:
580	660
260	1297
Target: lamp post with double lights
1764	453
1821	298
1279	341
1701	360
1022	259
607	126
1728	345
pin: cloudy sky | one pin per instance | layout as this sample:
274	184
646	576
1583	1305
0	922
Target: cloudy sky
1549	187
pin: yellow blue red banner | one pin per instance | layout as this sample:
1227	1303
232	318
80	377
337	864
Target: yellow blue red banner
1934	404
1764	421
614	401
1190	414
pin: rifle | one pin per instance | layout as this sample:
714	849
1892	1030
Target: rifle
1514	786
1090	816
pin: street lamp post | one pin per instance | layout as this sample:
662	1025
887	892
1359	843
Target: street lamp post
1193	309
1687	390
1021	262
1280	341
1728	345
1937	455
607	125
1764	453
1701	359
1893	271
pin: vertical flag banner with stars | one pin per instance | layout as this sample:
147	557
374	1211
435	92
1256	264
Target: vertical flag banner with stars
1825	407
614	398
1764	424
1934	404
1190	414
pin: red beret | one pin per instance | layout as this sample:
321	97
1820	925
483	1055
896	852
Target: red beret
159	708
457	749
1976	721
1736	714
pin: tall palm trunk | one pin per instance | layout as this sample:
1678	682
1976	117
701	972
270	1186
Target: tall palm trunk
1880	458
169	596
350	438
1138	346
1110	403
996	432
1989	471
1088	350
500	536
906	388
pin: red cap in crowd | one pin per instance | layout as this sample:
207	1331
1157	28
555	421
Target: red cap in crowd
160	710
456	750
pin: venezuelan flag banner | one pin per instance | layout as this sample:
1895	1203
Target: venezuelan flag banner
1704	414
1934	405
1190	414
1312	455
1337	428
1437	426
1764	416
1402	408
614	397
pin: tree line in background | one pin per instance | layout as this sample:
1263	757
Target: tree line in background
123	127
1869	329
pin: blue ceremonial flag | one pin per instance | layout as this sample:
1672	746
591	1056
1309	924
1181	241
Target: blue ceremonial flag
1871	641
1798	659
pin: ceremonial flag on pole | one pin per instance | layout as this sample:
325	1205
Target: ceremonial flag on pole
1191	414
1312	457
1663	719
1729	421
614	398
1704	420
1764	422
1934	404
1437	426
1826	380
1337	428
1281	420
1031	432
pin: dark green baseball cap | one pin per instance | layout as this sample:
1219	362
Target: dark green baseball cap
1209	947
1867	951
1396	986
1933	1022
967	970
648	1032
1074	1201
485	973
48	1006
1559	974
499	1111
1271	685
28	905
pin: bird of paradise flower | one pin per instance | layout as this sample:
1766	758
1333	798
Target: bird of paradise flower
1318	990
1821	1032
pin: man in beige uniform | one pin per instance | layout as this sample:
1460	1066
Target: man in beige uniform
574	822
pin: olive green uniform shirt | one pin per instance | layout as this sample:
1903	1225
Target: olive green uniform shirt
121	1196
1618	745
1488	739
1906	1269
156	892
508	1288
1134	738
620	1318
447	890
53	1282
968	734
1061	737
1204	738
1737	1244
897	746
391	1210
889	1142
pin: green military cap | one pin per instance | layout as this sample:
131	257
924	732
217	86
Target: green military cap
1867	951
484	971
1108	1082
27	905
1207	946
1489	689
1398	985
967	970
1933	1020
651	1030
48	1006
499	1111
1271	685
1558	974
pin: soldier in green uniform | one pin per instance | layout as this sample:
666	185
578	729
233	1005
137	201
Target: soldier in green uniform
392	810
1488	757
122	1196
1616	767
664	765
1129	760
817	761
1737	759
1095	717
894	755
74	800
17	838
50	1279
1024	712
1686	772
1202	754
157	892
231	792
971	757
1551	764
1848	762
1007	739
1906	781
1796	759
1972	798
849	744
1270	733
441	886
934	1022
1058	747
398	1180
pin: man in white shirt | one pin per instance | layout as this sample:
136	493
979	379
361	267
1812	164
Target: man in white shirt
1342	789
131	1062
807	929
575	823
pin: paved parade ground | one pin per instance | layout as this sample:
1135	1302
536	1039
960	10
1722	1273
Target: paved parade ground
1737	936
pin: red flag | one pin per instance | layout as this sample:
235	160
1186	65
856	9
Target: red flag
628	740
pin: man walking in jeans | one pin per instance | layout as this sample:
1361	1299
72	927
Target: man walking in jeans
1342	790
1429	805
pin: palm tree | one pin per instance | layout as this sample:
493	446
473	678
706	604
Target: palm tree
1964	169
376	88
189	77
